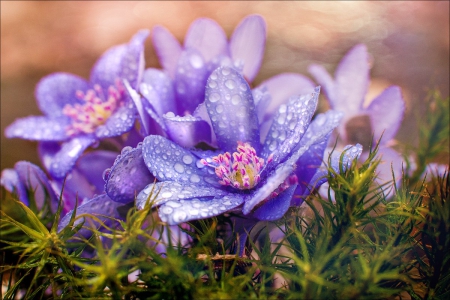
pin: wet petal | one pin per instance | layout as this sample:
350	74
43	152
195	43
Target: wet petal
168	161
231	108
128	176
56	90
187	131
101	206
11	182
38	128
34	179
167	48
175	191
190	78
207	37
139	104
262	99
386	113
324	79
289	125
283	86
157	88
176	212
391	162
93	164
60	159
121	121
351	80
247	45
124	61
276	207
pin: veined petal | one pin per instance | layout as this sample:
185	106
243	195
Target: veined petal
187	131
386	113
101	206
190	78
128	176
60	159
352	81
124	61
176	212
168	161
176	191
38	128
56	90
276	207
289	125
121	121
283	86
207	37
247	45
167	48
231	108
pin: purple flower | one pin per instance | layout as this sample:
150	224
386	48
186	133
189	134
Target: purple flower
253	171
380	119
78	113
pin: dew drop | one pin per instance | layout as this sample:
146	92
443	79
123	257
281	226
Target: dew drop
243	87
179	168
230	84
179	216
194	178
219	108
196	61
225	71
187	159
166	210
214	97
166	195
236	99
106	174
212	84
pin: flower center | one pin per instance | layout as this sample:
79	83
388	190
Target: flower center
95	110
240	170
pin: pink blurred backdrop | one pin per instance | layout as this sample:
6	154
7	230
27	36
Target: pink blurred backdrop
408	40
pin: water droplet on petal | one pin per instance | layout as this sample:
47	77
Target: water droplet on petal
179	168
225	71
187	159
194	178
179	216
125	150
230	84
219	108
106	174
196	61
236	99
212	84
214	97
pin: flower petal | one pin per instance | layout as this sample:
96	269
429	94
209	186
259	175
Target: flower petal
324	79
283	86
125	61
128	176
157	88
167	48
207	37
60	159
190	78
247	45
231	108
168	161
93	164
56	90
34	180
187	131
11	182
386	113
276	207
391	162
38	128
289	125
352	81
101	206
121	121
175	191
139	104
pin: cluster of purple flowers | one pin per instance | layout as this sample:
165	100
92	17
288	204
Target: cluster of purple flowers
196	132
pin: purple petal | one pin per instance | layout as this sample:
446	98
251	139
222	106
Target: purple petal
187	131
247	45
176	212
262	99
168	161
35	180
352	81
175	191
324	79
128	176
11	182
167	48
207	37
56	90
386	113
93	164
231	108
157	88
276	207
283	86
101	206
289	125
121	121
38	128
391	161
190	78
124	61
139	104
60	159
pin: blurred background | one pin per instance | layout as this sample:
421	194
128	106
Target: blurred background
408	42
